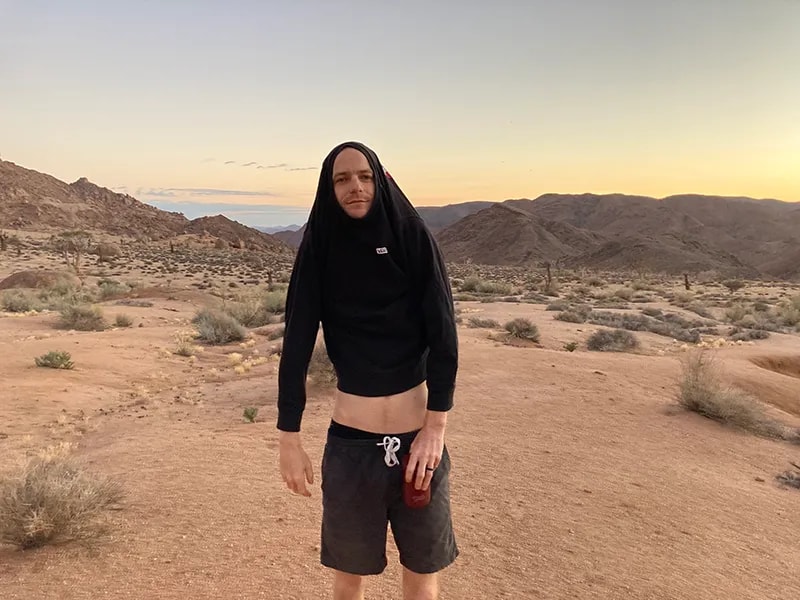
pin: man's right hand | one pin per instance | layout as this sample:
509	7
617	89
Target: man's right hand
295	465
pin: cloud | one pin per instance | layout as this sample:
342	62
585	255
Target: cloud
302	169
177	192
257	165
278	166
230	162
250	164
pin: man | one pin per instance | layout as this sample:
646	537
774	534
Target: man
370	272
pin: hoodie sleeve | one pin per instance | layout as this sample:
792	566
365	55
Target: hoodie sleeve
302	317
438	317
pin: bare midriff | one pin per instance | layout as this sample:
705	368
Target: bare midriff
397	413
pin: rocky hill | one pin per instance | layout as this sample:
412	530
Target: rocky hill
505	235
36	201
757	232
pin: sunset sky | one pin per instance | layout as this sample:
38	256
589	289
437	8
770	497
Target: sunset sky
205	107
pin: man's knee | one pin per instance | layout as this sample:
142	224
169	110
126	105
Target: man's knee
418	586
347	586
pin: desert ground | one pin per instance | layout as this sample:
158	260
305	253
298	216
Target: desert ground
576	473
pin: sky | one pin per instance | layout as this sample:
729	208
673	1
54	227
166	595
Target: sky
206	107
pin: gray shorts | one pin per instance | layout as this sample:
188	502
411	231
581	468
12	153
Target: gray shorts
362	494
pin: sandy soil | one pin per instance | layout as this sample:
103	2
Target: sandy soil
574	474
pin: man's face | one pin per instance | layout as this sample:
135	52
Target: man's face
353	182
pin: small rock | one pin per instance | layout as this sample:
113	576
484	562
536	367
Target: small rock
760	479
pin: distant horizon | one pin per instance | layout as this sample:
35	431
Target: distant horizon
264	214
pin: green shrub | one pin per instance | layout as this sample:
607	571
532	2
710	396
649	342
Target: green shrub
216	327
55	359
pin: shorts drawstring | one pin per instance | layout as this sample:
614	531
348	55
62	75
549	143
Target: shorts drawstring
391	444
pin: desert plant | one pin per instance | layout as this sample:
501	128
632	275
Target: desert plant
320	368
123	320
18	301
701	391
790	478
571	346
55	359
523	329
734	285
82	318
250	414
53	499
216	327
612	340
483	323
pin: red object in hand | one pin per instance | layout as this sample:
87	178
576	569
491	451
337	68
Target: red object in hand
413	497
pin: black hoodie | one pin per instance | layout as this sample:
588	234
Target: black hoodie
379	286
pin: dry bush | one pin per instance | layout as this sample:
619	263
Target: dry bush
217	327
82	318
523	329
790	478
483	323
701	391
19	301
53	499
320	368
612	340
256	310
477	285
123	320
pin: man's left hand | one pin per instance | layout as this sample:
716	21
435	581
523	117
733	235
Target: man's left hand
425	453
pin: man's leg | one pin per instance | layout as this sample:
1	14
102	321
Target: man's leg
420	586
424	537
347	586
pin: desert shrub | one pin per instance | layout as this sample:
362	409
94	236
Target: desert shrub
700	309
595	282
483	323
18	301
571	316
682	298
475	284
652	312
82	318
320	368
55	359
571	346
250	413
551	288
123	320
673	326
612	340
733	285
624	293
134	302
737	334
640	285
110	288
558	305
790	478
276	334
523	329
53	499
761	306
216	327
789	314
184	345
701	391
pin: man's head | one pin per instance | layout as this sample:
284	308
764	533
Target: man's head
353	182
